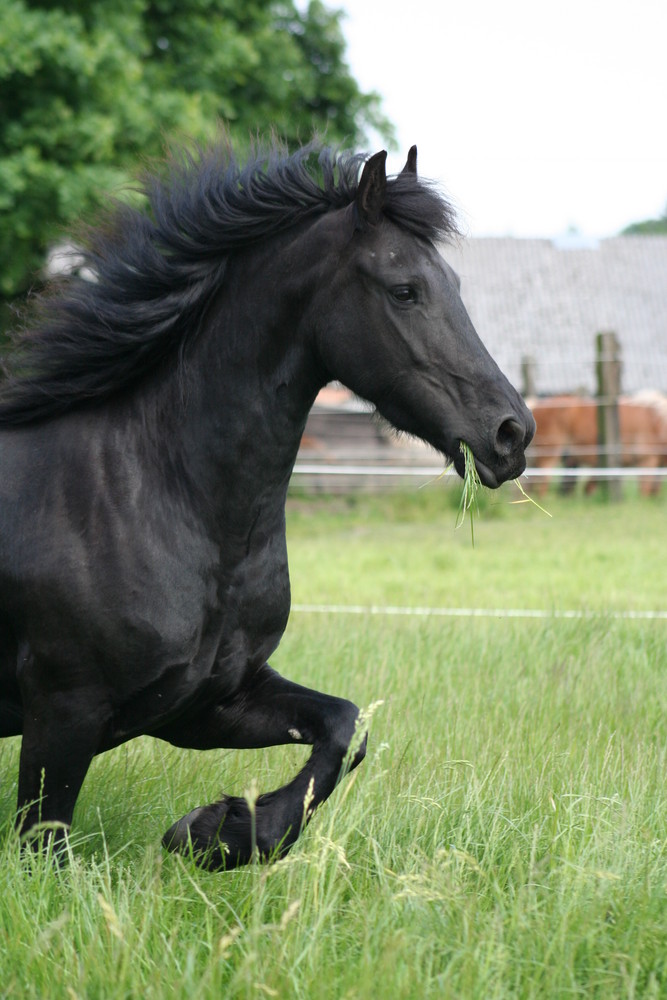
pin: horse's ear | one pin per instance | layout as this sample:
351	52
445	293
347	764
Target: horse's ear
372	188
411	162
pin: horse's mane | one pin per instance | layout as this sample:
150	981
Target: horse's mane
155	269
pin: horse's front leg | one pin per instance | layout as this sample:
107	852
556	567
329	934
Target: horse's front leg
268	712
62	731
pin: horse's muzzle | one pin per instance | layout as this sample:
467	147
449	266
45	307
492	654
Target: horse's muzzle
511	437
506	451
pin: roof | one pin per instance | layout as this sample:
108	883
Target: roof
548	300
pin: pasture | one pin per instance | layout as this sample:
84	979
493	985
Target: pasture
505	836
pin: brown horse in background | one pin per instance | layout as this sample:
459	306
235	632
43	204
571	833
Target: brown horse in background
567	434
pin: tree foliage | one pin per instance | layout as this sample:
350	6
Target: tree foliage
89	89
649	227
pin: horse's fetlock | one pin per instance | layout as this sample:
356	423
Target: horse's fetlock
343	729
358	753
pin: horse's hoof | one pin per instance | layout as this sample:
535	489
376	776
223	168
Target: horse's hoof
216	836
178	836
225	835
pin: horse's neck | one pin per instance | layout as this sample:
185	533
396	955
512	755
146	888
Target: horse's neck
247	388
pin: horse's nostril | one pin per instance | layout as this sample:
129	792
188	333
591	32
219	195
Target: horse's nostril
510	435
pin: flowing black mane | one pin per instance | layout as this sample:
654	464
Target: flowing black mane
155	269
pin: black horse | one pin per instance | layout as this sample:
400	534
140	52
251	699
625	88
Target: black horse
149	423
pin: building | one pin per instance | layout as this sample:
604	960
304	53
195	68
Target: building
547	300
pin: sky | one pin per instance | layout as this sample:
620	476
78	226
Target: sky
535	117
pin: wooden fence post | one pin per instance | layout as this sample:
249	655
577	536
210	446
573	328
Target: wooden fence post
608	373
528	373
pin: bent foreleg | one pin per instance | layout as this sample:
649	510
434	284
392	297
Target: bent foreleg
269	712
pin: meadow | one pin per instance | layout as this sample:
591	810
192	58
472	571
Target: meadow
506	835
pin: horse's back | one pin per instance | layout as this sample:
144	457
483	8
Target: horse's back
564	421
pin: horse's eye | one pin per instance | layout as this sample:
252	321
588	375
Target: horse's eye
404	293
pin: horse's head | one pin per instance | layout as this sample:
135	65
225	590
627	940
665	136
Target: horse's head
397	333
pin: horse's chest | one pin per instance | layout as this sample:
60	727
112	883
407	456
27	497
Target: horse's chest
236	631
230	618
255	604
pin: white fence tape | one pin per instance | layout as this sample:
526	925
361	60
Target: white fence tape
423	612
421	471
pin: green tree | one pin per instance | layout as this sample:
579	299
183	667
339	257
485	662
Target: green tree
89	89
649	227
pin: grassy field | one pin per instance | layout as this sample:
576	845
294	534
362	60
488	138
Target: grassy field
505	837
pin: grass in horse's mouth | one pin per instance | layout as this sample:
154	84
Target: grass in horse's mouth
472	484
471	487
